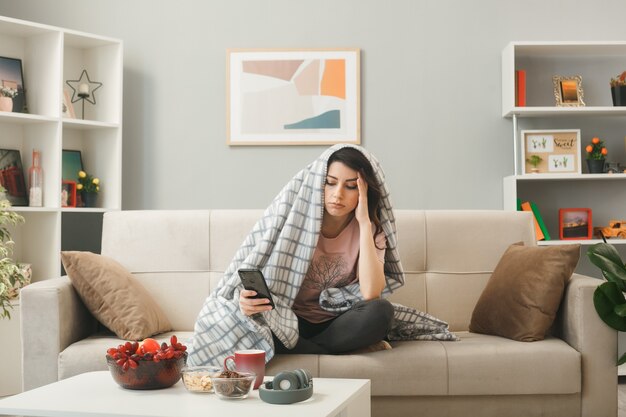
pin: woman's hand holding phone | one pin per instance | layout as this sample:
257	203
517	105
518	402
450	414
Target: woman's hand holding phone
249	305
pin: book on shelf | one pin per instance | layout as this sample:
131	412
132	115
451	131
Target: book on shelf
520	88
541	231
540	221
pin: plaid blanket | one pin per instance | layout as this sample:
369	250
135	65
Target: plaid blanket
281	244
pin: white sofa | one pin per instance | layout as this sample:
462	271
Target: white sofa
448	257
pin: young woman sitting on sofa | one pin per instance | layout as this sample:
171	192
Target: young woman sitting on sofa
327	246
350	249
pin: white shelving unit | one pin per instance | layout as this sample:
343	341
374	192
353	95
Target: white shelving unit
51	56
597	63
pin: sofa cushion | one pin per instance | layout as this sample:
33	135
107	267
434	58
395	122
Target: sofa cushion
410	368
523	294
476	365
491	365
114	296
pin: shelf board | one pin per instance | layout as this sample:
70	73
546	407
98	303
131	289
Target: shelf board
585	242
567	177
79	124
86	210
552	111
25	118
25	209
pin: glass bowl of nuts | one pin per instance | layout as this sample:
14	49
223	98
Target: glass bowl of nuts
233	385
198	378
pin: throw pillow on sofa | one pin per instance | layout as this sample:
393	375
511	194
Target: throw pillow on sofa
522	296
114	296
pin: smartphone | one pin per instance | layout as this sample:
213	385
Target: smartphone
253	279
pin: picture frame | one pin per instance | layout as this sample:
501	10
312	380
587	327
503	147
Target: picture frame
68	193
12	177
575	223
12	76
559	151
72	162
293	96
67	109
568	91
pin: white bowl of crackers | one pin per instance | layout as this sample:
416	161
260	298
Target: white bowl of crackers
198	378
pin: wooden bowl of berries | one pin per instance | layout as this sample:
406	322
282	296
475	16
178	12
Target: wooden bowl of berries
147	364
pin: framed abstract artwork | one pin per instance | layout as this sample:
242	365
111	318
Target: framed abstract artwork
293	96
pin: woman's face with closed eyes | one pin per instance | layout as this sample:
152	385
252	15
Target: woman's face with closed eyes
341	193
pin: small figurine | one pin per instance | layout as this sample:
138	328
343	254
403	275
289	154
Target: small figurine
616	228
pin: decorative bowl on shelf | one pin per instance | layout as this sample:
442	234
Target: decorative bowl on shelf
231	385
199	378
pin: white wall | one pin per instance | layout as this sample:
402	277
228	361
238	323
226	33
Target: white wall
430	89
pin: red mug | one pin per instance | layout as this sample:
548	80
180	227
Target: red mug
249	360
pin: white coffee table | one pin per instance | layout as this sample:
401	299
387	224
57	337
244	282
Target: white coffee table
96	394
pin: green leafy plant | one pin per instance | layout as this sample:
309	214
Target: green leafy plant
12	275
87	183
534	160
596	149
619	80
608	298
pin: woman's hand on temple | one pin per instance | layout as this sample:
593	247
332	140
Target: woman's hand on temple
361	212
250	306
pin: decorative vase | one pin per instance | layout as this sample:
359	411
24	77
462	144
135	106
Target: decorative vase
619	95
6	104
89	199
595	166
35	181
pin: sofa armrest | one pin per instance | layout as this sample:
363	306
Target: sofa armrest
52	317
581	327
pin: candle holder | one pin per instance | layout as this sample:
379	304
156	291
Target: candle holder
84	91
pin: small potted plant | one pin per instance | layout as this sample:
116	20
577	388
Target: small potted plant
596	153
534	160
6	98
13	276
618	89
88	186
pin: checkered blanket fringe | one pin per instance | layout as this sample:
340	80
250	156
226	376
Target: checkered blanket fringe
281	244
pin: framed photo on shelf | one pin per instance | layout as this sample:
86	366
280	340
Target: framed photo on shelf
293	96
12	177
68	194
68	107
551	152
575	223
568	91
72	162
12	85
